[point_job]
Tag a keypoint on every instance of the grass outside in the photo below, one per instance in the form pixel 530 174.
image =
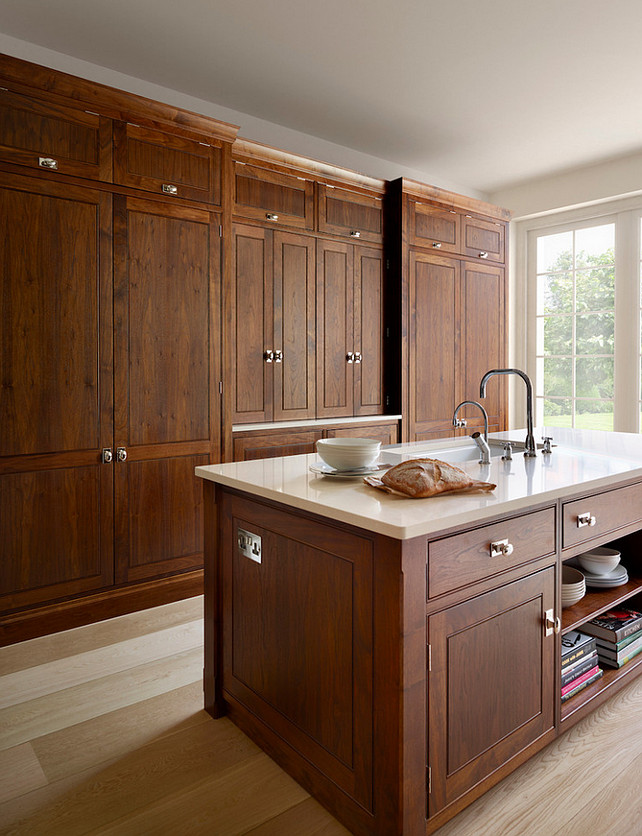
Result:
pixel 583 421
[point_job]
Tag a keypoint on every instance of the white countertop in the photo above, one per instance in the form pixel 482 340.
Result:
pixel 583 460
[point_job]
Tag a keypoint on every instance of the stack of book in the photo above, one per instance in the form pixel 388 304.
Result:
pixel 618 634
pixel 579 663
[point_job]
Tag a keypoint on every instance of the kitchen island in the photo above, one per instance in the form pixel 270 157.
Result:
pixel 400 656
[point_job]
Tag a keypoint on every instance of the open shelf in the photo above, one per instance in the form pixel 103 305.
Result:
pixel 609 678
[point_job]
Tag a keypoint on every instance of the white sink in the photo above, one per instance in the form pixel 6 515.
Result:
pixel 457 452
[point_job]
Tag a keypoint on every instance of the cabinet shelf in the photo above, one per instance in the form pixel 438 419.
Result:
pixel 609 678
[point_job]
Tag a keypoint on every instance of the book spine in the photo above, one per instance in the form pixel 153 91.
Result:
pixel 583 665
pixel 583 685
pixel 580 680
pixel 574 655
pixel 622 659
pixel 613 646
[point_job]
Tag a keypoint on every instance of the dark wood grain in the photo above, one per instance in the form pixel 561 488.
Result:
pixel 345 213
pixel 368 330
pixel 385 433
pixel 434 227
pixel 266 444
pixel 482 235
pixel 262 191
pixel 612 510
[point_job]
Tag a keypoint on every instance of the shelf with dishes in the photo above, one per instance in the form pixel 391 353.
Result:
pixel 622 591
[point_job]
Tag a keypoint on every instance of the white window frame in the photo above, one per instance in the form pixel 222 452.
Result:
pixel 627 216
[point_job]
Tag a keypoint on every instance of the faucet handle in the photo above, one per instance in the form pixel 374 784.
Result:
pixel 547 444
pixel 508 452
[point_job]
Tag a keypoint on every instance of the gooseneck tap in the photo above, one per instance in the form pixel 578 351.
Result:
pixel 530 448
pixel 482 443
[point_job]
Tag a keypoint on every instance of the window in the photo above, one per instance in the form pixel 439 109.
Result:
pixel 579 337
pixel 575 277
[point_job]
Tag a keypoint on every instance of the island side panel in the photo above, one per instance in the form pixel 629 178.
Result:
pixel 214 703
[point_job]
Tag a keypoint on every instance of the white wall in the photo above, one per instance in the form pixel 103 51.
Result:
pixel 250 127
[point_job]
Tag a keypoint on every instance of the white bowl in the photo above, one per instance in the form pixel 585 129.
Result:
pixel 572 579
pixel 599 561
pixel 348 453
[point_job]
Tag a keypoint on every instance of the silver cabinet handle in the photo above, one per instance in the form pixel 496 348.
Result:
pixel 121 454
pixel 350 357
pixel 586 519
pixel 354 233
pixel 552 624
pixel 501 548
pixel 357 357
pixel 436 245
pixel 48 162
pixel 268 356
pixel 270 216
pixel 169 189
pixel 483 255
pixel 278 356
pixel 106 456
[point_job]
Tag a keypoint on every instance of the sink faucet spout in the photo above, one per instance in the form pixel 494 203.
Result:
pixel 530 447
pixel 482 443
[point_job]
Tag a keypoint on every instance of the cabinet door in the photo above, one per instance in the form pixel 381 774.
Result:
pixel 54 138
pixel 56 404
pixel 166 163
pixel 483 339
pixel 483 238
pixel 335 329
pixel 491 685
pixel 266 445
pixel 273 197
pixel 350 214
pixel 167 408
pixel 434 227
pixel 434 341
pixel 385 433
pixel 368 331
pixel 252 327
pixel 294 326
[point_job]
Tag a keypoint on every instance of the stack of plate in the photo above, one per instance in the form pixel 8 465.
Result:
pixel 602 569
pixel 573 586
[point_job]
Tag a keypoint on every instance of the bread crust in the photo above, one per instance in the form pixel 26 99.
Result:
pixel 429 477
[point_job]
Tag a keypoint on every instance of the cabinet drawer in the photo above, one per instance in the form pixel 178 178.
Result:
pixel 357 216
pixel 434 227
pixel 385 433
pixel 54 138
pixel 273 197
pixel 610 511
pixel 462 559
pixel 483 238
pixel 166 164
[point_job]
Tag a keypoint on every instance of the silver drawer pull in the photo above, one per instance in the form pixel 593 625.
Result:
pixel 354 233
pixel 436 245
pixel 585 519
pixel 47 162
pixel 350 357
pixel 551 624
pixel 501 548
pixel 278 356
pixel 169 189
pixel 268 356
pixel 483 255
pixel 121 454
pixel 270 216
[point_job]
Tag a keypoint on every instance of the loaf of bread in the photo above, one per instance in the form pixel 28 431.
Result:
pixel 428 477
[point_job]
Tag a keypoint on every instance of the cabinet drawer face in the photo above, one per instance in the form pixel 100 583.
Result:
pixel 51 137
pixel 166 164
pixel 356 216
pixel 483 239
pixel 462 559
pixel 434 227
pixel 586 519
pixel 385 433
pixel 267 446
pixel 272 197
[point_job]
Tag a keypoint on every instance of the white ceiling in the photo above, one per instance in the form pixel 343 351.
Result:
pixel 486 92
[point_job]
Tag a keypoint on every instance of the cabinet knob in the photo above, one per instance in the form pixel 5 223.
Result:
pixel 501 548
pixel 354 233
pixel 552 624
pixel 121 454
pixel 483 255
pixel 48 162
pixel 436 245
pixel 278 356
pixel 357 357
pixel 350 357
pixel 270 216
pixel 169 189
pixel 586 519
pixel 268 356
pixel 106 456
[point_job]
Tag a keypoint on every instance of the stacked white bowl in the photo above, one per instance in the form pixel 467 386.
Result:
pixel 599 561
pixel 348 453
pixel 573 586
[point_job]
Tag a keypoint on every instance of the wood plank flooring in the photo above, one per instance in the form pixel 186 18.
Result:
pixel 102 732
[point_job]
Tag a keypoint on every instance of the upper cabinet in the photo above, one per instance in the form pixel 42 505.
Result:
pixel 434 227
pixel 273 197
pixel 166 164
pixel 350 214
pixel 53 137
pixel 483 238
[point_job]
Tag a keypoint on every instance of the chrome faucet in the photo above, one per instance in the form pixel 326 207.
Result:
pixel 481 442
pixel 530 448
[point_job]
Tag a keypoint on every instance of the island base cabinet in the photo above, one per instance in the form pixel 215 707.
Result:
pixel 491 684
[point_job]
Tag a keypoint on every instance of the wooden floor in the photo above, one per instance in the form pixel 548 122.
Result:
pixel 102 731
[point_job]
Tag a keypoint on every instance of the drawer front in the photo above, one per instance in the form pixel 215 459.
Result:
pixel 434 227
pixel 356 216
pixel 462 559
pixel 166 164
pixel 53 138
pixel 483 239
pixel 586 519
pixel 273 197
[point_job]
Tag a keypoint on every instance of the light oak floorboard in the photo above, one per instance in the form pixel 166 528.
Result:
pixel 33 652
pixel 307 818
pixel 21 772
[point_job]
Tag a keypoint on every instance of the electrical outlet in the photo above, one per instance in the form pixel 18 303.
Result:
pixel 249 545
